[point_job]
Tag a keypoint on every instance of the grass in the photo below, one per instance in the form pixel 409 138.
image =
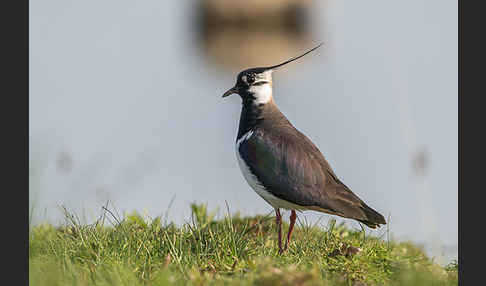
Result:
pixel 233 250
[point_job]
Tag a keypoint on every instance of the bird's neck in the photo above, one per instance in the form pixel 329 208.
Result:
pixel 254 115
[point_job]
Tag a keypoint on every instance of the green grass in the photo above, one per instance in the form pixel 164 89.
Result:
pixel 234 250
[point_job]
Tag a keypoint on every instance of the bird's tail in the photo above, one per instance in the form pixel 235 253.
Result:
pixel 373 218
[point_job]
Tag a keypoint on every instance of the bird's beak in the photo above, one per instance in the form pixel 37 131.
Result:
pixel 230 91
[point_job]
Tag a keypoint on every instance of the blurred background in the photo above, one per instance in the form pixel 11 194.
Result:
pixel 125 105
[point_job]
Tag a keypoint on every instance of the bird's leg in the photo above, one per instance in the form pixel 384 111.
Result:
pixel 279 227
pixel 293 216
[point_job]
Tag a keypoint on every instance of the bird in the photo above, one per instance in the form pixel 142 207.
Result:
pixel 281 164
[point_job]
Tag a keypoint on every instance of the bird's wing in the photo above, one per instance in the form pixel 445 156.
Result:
pixel 291 167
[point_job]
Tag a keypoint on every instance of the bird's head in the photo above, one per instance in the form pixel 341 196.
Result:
pixel 255 85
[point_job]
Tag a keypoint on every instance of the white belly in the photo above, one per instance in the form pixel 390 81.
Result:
pixel 257 186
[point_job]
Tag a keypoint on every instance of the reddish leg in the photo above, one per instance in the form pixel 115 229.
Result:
pixel 279 226
pixel 293 216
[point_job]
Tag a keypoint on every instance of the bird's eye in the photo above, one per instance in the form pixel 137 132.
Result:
pixel 250 78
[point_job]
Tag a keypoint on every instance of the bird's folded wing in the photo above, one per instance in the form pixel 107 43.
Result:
pixel 291 167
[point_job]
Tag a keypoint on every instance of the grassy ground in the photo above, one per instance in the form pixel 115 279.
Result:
pixel 234 250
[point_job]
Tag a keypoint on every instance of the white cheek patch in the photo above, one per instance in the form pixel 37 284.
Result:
pixel 262 93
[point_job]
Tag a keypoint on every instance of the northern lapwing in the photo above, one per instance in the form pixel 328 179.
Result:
pixel 281 164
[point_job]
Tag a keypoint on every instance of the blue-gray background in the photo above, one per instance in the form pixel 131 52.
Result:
pixel 125 107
